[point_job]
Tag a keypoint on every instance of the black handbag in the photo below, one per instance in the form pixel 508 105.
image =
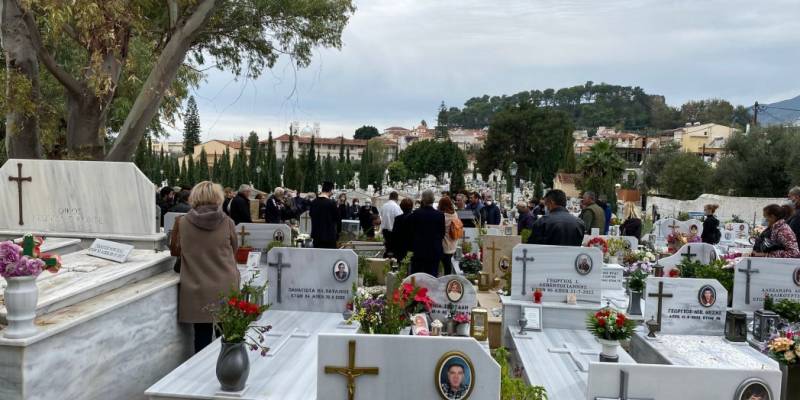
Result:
pixel 764 244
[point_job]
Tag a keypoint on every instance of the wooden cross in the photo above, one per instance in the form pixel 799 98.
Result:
pixel 524 260
pixel 660 296
pixel 749 271
pixel 19 179
pixel 280 265
pixel 575 355
pixel 494 248
pixel 242 233
pixel 351 372
pixel 689 255
pixel 623 389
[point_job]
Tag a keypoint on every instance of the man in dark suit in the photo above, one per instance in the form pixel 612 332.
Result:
pixel 558 227
pixel 240 206
pixel 427 225
pixel 324 217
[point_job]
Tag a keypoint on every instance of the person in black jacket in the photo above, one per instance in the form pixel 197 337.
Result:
pixel 166 200
pixel 427 229
pixel 226 204
pixel 182 204
pixel 490 213
pixel 365 214
pixel 632 224
pixel 276 209
pixel 240 206
pixel 402 231
pixel 794 219
pixel 324 219
pixel 558 227
pixel 711 233
pixel 343 210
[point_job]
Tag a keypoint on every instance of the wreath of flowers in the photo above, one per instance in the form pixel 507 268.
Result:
pixel 598 242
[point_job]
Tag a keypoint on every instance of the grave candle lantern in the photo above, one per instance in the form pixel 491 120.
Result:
pixel 735 326
pixel 483 281
pixel 480 316
pixel 537 296
pixel 763 323
pixel 436 328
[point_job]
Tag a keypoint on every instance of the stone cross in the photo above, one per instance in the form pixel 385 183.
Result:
pixel 19 179
pixel 575 355
pixel 351 372
pixel 689 255
pixel 494 249
pixel 749 271
pixel 623 389
pixel 660 296
pixel 525 260
pixel 280 265
pixel 242 233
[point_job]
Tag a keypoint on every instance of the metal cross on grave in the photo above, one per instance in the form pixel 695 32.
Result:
pixel 674 226
pixel 660 296
pixel 623 389
pixel 524 260
pixel 689 255
pixel 242 233
pixel 494 249
pixel 351 372
pixel 575 355
pixel 19 179
pixel 280 265
pixel 749 271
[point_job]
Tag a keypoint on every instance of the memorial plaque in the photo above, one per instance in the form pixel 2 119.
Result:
pixel 259 236
pixel 109 250
pixel 557 271
pixel 613 277
pixel 687 306
pixel 446 292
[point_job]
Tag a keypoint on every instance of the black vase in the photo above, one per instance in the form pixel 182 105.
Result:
pixel 790 382
pixel 233 366
pixel 635 304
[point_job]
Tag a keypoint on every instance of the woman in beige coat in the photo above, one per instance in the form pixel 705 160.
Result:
pixel 208 265
pixel 448 243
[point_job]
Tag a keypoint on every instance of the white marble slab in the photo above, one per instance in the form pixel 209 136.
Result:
pixel 675 382
pixel 259 236
pixel 613 277
pixel 407 366
pixel 778 277
pixel 664 227
pixel 698 351
pixel 703 252
pixel 291 373
pixel 63 196
pixel 547 363
pixel 83 277
pixel 308 280
pixel 687 310
pixel 472 236
pixel 557 270
pixel 446 291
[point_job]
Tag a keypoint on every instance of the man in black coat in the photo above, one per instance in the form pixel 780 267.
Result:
pixel 558 227
pixel 276 209
pixel 324 218
pixel 240 206
pixel 402 231
pixel 427 230
pixel 365 214
pixel 182 204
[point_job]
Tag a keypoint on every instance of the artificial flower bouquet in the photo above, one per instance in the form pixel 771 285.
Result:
pixel 235 316
pixel 376 314
pixel 470 264
pixel 26 260
pixel 598 242
pixel 785 349
pixel 610 324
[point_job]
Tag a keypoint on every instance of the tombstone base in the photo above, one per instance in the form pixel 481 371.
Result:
pixel 604 358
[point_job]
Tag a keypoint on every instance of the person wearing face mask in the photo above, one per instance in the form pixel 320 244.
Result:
pixel 557 227
pixel 353 211
pixel 794 220
pixel 365 214
pixel 490 213
pixel 526 218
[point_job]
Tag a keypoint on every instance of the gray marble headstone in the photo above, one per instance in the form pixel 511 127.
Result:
pixel 437 291
pixel 261 235
pixel 733 231
pixel 89 197
pixel 169 222
pixel 555 270
pixel 308 281
pixel 406 366
pixel 682 312
pixel 778 277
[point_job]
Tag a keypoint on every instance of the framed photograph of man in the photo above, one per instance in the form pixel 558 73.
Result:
pixel 753 389
pixel 583 264
pixel 454 290
pixel 796 276
pixel 455 376
pixel 341 271
pixel 278 235
pixel 420 325
pixel 707 296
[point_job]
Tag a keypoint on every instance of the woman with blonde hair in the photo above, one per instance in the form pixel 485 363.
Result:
pixel 711 233
pixel 206 243
pixel 448 242
pixel 632 221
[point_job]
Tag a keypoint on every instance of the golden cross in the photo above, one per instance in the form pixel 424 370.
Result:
pixel 351 372
pixel 494 248
pixel 413 281
pixel 242 234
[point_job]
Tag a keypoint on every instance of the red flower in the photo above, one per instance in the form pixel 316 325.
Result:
pixel 601 322
pixel 232 302
pixel 674 273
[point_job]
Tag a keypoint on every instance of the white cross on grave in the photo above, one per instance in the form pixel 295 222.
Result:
pixel 623 389
pixel 285 336
pixel 575 355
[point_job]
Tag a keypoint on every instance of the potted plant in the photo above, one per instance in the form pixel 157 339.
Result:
pixel 609 326
pixel 462 323
pixel 234 317
pixel 470 264
pixel 786 350
pixel 242 252
pixel 20 265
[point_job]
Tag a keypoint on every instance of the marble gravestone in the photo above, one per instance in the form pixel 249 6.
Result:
pixel 304 223
pixel 687 306
pixel 302 279
pixel 611 381
pixel 497 254
pixel 378 362
pixel 259 236
pixel 557 271
pixel 733 231
pixel 633 242
pixel 471 236
pixel 703 252
pixel 755 277
pixel 667 225
pixel 613 277
pixel 446 291
pixel 61 199
pixel 169 222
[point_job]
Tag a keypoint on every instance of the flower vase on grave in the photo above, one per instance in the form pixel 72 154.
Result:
pixel 242 253
pixel 233 366
pixel 635 303
pixel 21 295
pixel 613 259
pixel 609 352
pixel 790 381
pixel 462 329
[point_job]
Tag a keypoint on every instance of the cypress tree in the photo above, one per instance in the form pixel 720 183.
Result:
pixel 202 167
pixel 255 156
pixel 289 166
pixel 310 169
pixel 191 127
pixel 190 172
pixel 273 171
pixel 184 172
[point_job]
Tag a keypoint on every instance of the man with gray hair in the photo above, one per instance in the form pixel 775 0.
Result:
pixel 427 231
pixel 591 214
pixel 240 205
pixel 276 208
pixel 794 220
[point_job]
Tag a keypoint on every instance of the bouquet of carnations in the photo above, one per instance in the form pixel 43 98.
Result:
pixel 235 316
pixel 413 299
pixel 610 324
pixel 26 260
pixel 461 318
pixel 599 243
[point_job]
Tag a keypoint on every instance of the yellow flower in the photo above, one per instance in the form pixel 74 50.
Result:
pixel 780 344
pixel 789 356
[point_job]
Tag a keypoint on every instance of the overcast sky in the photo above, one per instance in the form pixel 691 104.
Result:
pixel 401 58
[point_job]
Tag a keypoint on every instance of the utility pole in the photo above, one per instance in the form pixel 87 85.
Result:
pixel 755 115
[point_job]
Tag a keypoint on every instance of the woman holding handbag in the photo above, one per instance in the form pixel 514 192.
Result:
pixel 205 241
pixel 778 241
